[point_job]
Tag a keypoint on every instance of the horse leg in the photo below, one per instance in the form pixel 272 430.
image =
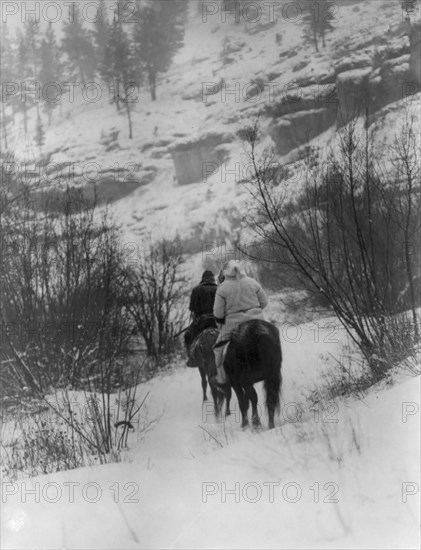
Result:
pixel 217 401
pixel 204 383
pixel 228 398
pixel 272 387
pixel 246 403
pixel 242 403
pixel 271 415
pixel 252 395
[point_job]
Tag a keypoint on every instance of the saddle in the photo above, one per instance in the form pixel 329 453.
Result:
pixel 205 321
pixel 244 339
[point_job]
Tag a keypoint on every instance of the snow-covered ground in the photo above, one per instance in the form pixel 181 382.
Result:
pixel 343 474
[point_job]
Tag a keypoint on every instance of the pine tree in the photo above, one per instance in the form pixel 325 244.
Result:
pixel 77 45
pixel 122 72
pixel 50 72
pixel 33 43
pixel 27 68
pixel 101 34
pixel 319 16
pixel 409 7
pixel 158 34
pixel 39 133
pixel 22 69
pixel 8 67
pixel 32 40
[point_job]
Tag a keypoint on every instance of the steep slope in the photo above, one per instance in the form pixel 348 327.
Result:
pixel 224 76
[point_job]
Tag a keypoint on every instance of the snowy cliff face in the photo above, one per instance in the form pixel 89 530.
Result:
pixel 226 74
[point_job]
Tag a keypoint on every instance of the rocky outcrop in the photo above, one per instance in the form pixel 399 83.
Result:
pixel 110 140
pixel 372 88
pixel 366 80
pixel 293 130
pixel 389 83
pixel 153 144
pixel 358 61
pixel 297 97
pixel 193 159
pixel 301 113
pixel 353 93
pixel 415 53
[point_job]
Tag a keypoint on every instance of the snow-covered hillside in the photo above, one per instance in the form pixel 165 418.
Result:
pixel 197 117
pixel 332 474
pixel 340 474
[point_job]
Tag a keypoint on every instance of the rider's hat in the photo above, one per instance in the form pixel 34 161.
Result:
pixel 208 276
pixel 233 269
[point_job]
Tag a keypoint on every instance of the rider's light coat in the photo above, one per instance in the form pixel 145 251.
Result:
pixel 239 298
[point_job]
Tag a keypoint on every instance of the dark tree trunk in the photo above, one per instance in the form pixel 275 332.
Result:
pixel 3 113
pixel 117 93
pixel 129 117
pixel 315 40
pixel 82 76
pixel 25 118
pixel 152 83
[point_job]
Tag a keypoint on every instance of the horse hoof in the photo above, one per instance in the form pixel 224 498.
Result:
pixel 205 398
pixel 244 425
pixel 227 413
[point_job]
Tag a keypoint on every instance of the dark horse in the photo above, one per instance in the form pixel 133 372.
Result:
pixel 254 355
pixel 204 358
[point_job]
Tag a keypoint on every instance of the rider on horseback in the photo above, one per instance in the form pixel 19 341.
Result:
pixel 239 298
pixel 201 307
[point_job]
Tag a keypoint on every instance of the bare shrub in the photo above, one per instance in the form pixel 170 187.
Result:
pixel 155 290
pixel 347 234
pixel 71 430
pixel 62 318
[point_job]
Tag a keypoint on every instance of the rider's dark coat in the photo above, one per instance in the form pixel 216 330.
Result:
pixel 201 305
pixel 202 298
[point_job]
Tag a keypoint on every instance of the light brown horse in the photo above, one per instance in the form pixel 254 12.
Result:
pixel 204 357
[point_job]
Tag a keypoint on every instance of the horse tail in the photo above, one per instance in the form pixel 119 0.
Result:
pixel 272 359
pixel 272 390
